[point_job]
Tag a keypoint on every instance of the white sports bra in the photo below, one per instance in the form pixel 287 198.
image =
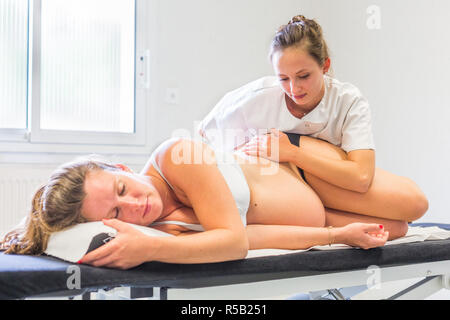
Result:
pixel 234 178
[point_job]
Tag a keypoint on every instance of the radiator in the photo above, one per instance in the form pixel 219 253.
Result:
pixel 15 200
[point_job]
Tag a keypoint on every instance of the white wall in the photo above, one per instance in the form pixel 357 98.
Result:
pixel 206 48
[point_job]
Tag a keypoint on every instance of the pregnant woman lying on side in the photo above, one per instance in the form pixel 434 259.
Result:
pixel 218 205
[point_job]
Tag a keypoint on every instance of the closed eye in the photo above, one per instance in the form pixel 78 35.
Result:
pixel 300 77
pixel 122 190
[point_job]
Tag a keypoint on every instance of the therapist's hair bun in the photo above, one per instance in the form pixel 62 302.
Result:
pixel 296 19
pixel 303 33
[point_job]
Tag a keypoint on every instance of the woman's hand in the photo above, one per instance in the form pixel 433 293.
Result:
pixel 274 145
pixel 125 251
pixel 362 235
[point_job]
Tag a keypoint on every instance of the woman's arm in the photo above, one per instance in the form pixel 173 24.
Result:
pixel 190 166
pixel 131 248
pixel 362 235
pixel 353 171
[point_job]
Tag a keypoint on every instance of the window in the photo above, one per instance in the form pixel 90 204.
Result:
pixel 70 72
pixel 13 63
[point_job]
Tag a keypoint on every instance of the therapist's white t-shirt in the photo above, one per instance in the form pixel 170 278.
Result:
pixel 342 118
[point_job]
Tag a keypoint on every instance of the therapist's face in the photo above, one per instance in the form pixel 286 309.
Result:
pixel 121 195
pixel 300 76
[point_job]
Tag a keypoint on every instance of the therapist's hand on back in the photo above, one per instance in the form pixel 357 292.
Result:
pixel 274 145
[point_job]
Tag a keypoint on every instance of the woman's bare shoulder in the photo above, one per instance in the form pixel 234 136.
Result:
pixel 182 151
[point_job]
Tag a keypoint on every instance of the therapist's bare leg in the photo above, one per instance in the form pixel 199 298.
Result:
pixel 389 196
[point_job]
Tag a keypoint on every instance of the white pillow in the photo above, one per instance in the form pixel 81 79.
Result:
pixel 73 243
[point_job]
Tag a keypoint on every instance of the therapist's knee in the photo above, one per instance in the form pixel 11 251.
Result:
pixel 415 203
pixel 420 205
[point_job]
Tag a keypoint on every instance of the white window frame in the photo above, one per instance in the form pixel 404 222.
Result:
pixel 35 139
pixel 11 135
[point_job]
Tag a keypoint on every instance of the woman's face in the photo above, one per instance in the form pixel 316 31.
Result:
pixel 121 195
pixel 300 76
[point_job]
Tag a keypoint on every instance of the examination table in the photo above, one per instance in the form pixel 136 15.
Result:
pixel 260 276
